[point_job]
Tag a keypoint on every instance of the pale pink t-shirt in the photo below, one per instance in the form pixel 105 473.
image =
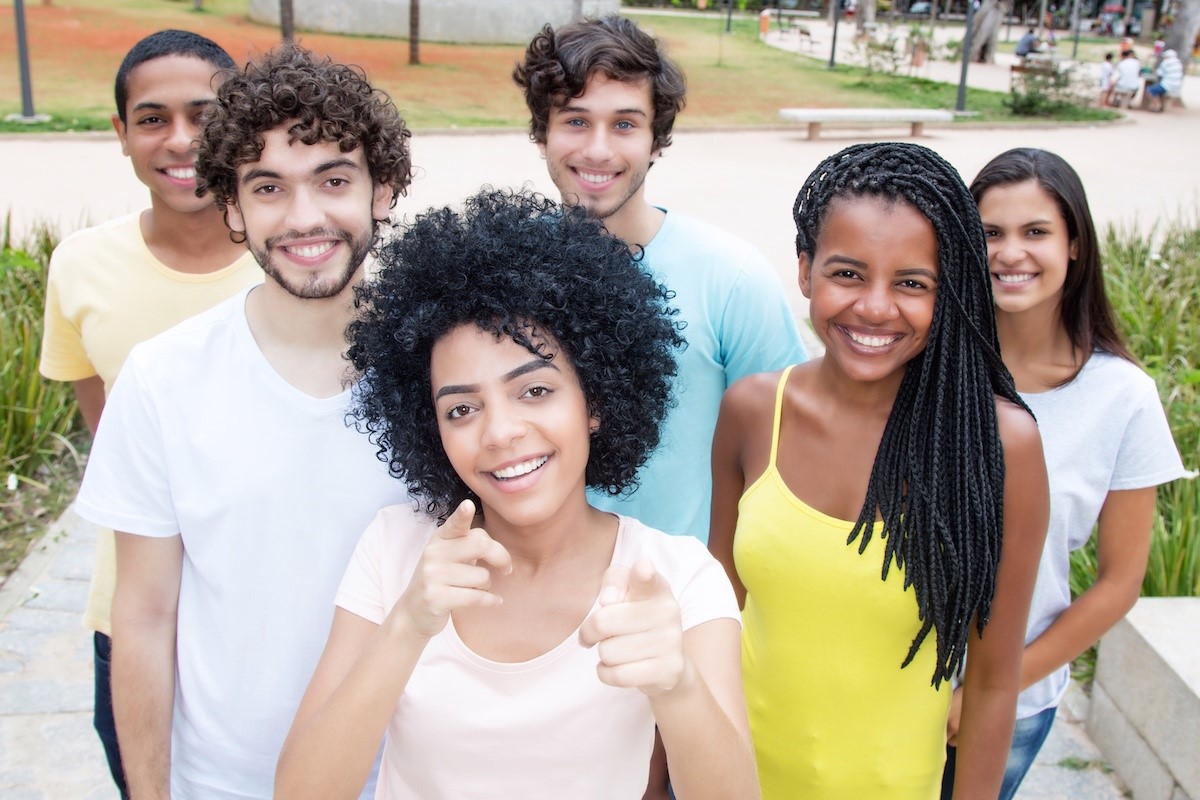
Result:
pixel 467 727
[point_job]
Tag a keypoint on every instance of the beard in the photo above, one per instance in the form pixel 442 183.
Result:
pixel 317 285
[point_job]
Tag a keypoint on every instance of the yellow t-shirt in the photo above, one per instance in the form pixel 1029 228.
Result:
pixel 833 716
pixel 105 293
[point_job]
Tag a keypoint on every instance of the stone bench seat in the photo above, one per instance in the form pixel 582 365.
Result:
pixel 816 117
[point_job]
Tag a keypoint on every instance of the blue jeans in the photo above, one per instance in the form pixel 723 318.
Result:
pixel 102 715
pixel 1028 736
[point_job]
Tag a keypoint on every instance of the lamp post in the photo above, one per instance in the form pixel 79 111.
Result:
pixel 960 102
pixel 27 114
pixel 836 10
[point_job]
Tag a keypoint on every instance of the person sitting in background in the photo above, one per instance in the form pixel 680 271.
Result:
pixel 1106 79
pixel 1170 80
pixel 1027 44
pixel 1128 78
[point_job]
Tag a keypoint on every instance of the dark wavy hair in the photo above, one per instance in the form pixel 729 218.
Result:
pixel 1086 312
pixel 319 101
pixel 938 476
pixel 521 266
pixel 558 64
pixel 164 43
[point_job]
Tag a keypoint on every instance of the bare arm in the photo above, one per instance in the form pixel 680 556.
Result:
pixel 992 679
pixel 144 617
pixel 1123 543
pixel 366 667
pixel 89 394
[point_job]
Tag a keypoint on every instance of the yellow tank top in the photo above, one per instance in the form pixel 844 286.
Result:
pixel 833 715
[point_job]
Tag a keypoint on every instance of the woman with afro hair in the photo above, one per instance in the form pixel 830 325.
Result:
pixel 508 638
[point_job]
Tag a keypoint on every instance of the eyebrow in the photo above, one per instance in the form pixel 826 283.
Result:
pixel 147 105
pixel 622 112
pixel 854 262
pixel 336 163
pixel 524 369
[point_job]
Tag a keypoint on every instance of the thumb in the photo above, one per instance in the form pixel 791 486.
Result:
pixel 644 581
pixel 614 585
pixel 458 523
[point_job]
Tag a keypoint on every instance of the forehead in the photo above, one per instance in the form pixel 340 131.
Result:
pixel 170 80
pixel 875 224
pixel 286 156
pixel 602 93
pixel 469 354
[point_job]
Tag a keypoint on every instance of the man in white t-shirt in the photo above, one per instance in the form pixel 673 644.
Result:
pixel 224 460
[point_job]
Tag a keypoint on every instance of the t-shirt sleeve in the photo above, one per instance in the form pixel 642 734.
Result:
pixel 1147 455
pixel 126 485
pixel 705 593
pixel 758 332
pixel 63 356
pixel 361 590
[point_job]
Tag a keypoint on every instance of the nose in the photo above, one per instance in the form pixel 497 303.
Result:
pixel 598 147
pixel 876 303
pixel 304 211
pixel 1006 250
pixel 502 425
pixel 183 135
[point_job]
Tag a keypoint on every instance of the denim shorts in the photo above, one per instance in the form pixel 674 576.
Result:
pixel 1028 736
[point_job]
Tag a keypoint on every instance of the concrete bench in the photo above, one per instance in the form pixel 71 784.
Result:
pixel 816 117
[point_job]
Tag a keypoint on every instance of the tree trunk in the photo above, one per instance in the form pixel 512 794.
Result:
pixel 287 21
pixel 1184 29
pixel 197 5
pixel 414 32
pixel 577 11
pixel 864 16
pixel 985 30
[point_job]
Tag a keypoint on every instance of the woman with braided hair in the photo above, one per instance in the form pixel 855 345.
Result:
pixel 879 508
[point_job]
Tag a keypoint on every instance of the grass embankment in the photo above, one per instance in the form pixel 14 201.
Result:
pixel 733 79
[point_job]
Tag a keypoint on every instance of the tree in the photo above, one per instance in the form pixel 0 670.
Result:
pixel 414 32
pixel 1184 29
pixel 985 30
pixel 287 20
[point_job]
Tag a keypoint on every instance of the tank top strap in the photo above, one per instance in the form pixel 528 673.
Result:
pixel 783 379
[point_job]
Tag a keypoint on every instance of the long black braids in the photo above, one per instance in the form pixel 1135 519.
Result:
pixel 938 477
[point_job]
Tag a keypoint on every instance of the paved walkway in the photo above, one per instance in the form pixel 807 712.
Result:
pixel 745 181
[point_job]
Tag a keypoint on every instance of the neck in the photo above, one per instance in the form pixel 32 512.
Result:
pixel 869 397
pixel 1036 348
pixel 195 242
pixel 572 532
pixel 636 223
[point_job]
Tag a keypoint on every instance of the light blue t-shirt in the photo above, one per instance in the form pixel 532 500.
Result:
pixel 738 323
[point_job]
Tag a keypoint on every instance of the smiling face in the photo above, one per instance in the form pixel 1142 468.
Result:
pixel 871 286
pixel 166 98
pixel 308 213
pixel 1029 246
pixel 514 426
pixel 599 147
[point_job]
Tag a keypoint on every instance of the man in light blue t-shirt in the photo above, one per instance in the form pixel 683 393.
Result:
pixel 603 99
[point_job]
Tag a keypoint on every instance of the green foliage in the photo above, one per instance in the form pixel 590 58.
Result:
pixel 1054 90
pixel 58 124
pixel 1153 280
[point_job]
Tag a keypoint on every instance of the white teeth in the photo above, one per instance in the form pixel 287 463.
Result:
pixel 594 178
pixel 872 341
pixel 181 173
pixel 311 250
pixel 1017 278
pixel 524 468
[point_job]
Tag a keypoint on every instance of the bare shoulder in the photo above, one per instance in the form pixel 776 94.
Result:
pixel 1018 430
pixel 746 399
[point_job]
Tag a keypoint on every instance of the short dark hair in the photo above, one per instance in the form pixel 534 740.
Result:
pixel 1086 312
pixel 938 477
pixel 558 65
pixel 516 265
pixel 319 100
pixel 170 42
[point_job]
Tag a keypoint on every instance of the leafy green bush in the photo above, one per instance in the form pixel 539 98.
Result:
pixel 1153 280
pixel 1048 91
pixel 36 415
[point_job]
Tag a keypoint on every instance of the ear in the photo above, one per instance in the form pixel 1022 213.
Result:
pixel 805 276
pixel 381 201
pixel 119 127
pixel 234 219
pixel 1073 250
pixel 594 425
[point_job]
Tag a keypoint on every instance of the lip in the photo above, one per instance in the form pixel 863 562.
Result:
pixel 521 482
pixel 998 280
pixel 870 341
pixel 591 185
pixel 309 252
pixel 187 180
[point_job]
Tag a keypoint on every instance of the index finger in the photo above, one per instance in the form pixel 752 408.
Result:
pixel 459 523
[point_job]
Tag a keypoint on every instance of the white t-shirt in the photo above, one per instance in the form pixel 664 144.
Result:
pixel 1104 431
pixel 467 727
pixel 269 489
pixel 1129 75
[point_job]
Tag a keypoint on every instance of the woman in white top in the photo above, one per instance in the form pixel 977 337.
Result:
pixel 1104 433
pixel 512 356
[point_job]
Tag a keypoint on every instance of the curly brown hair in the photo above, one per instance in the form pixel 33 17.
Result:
pixel 319 100
pixel 558 64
